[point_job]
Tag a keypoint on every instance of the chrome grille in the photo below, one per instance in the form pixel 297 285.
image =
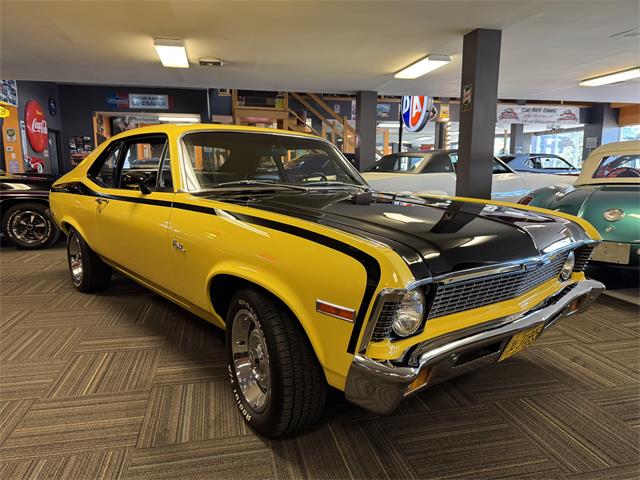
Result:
pixel 465 295
pixel 582 257
pixel 385 318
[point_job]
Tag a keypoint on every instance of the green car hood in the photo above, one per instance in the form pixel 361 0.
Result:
pixel 591 201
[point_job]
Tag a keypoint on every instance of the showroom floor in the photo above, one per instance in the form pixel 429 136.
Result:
pixel 126 385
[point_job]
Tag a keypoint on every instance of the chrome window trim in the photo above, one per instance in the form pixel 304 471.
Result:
pixel 181 158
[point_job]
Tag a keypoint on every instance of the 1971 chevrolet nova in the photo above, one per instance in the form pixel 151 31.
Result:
pixel 317 279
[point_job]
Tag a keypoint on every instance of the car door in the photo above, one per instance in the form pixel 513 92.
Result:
pixel 131 224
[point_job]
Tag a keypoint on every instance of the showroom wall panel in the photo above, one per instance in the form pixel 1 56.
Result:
pixel 79 102
pixel 42 100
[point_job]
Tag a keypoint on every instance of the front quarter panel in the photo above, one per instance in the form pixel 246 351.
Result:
pixel 296 270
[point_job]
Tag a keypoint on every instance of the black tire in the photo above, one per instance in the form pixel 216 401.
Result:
pixel 298 388
pixel 28 226
pixel 94 274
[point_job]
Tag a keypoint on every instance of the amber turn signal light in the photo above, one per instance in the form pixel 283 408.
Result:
pixel 420 381
pixel 337 311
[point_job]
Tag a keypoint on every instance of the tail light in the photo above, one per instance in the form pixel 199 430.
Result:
pixel 526 200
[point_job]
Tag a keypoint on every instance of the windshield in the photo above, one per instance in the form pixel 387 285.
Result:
pixel 618 166
pixel 233 159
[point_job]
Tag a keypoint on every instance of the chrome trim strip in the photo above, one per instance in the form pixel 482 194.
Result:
pixel 379 386
pixel 322 302
pixel 497 269
pixel 385 295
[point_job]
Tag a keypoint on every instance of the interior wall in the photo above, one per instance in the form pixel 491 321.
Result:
pixel 78 102
pixel 41 92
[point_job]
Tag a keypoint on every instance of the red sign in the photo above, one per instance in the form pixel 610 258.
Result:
pixel 36 124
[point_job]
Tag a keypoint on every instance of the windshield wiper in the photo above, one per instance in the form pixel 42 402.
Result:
pixel 257 183
pixel 329 183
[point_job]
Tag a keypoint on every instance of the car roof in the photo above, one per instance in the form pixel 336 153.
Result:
pixel 595 158
pixel 173 129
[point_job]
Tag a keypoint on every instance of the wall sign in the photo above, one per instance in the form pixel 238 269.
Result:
pixel 53 108
pixel 467 97
pixel 443 115
pixel 118 100
pixel 545 114
pixel 148 102
pixel 9 92
pixel 415 112
pixel 36 126
pixel 4 112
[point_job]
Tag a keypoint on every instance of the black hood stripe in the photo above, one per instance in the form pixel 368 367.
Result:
pixel 370 264
pixel 411 257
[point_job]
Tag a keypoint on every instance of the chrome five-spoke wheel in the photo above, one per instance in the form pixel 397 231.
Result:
pixel 251 359
pixel 75 259
pixel 30 227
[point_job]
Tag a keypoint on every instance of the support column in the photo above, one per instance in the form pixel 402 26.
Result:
pixel 601 127
pixel 366 106
pixel 516 143
pixel 478 103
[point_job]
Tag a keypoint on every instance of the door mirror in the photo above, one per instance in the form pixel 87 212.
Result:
pixel 132 179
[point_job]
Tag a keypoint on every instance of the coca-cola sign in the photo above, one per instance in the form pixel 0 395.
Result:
pixel 36 125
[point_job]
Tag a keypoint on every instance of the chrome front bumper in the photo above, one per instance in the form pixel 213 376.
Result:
pixel 379 386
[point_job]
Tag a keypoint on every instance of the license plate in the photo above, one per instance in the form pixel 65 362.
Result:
pixel 520 341
pixel 612 252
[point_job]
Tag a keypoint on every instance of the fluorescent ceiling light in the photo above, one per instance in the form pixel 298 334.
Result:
pixel 421 67
pixel 176 119
pixel 389 125
pixel 171 52
pixel 616 77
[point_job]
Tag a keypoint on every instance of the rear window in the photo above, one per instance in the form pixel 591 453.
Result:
pixel 619 166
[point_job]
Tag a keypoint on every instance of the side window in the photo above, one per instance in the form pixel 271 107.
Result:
pixel 144 156
pixel 103 170
pixel 438 163
pixel 499 167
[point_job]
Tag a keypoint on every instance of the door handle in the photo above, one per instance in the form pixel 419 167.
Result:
pixel 102 201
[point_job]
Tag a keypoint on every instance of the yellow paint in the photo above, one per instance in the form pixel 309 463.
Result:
pixel 138 239
pixel 4 112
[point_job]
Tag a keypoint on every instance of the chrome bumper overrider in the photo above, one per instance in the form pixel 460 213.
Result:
pixel 379 386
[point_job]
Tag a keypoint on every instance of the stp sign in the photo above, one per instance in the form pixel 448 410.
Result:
pixel 415 112
pixel 36 124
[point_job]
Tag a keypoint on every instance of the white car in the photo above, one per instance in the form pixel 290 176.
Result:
pixel 433 172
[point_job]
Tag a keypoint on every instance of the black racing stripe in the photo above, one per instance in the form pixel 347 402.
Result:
pixel 79 188
pixel 411 257
pixel 370 264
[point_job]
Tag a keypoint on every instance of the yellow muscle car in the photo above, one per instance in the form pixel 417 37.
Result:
pixel 317 279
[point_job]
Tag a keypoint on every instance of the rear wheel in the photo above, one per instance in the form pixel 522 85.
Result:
pixel 29 226
pixel 277 381
pixel 88 272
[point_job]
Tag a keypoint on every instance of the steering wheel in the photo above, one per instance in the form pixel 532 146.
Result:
pixel 322 176
pixel 623 172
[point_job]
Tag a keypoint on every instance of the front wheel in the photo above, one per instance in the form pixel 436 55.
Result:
pixel 88 272
pixel 277 381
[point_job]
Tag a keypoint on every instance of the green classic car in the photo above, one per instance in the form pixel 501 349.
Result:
pixel 607 195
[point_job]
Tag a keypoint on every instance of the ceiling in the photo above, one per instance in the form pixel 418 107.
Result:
pixel 323 46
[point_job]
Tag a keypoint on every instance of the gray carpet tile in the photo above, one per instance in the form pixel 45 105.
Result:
pixel 123 384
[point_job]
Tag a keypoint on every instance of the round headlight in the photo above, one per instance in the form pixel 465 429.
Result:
pixel 409 316
pixel 613 215
pixel 567 268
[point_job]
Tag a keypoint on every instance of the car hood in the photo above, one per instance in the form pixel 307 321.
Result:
pixel 442 235
pixel 591 201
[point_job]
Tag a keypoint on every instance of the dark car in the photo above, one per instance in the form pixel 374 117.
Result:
pixel 540 163
pixel 24 209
